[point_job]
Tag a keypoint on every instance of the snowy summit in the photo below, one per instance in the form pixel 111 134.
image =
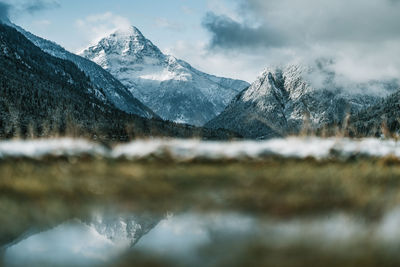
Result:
pixel 170 87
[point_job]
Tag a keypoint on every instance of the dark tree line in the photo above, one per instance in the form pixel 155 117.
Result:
pixel 380 119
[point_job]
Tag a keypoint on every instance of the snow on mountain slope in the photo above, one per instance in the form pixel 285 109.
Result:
pixel 114 91
pixel 282 100
pixel 169 86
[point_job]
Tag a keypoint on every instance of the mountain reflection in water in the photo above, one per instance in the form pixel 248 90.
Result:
pixel 206 239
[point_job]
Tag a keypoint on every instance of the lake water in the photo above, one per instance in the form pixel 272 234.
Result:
pixel 204 239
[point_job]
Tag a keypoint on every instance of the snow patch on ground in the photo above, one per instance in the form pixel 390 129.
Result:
pixel 49 147
pixel 185 150
pixel 299 148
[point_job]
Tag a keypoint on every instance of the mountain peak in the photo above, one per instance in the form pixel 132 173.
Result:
pixel 127 42
pixel 171 87
pixel 129 32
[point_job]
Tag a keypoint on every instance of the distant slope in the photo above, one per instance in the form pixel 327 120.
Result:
pixel 46 95
pixel 112 88
pixel 170 87
pixel 36 87
pixel 282 102
pixel 383 118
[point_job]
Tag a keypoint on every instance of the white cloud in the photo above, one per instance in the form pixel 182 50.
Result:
pixel 362 38
pixel 224 7
pixel 230 64
pixel 94 27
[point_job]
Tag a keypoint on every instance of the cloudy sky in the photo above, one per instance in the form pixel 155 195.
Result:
pixel 235 38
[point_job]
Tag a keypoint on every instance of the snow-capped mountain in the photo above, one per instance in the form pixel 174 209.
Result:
pixel 170 87
pixel 282 101
pixel 114 91
pixel 42 95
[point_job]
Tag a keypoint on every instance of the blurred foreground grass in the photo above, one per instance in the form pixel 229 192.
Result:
pixel 41 194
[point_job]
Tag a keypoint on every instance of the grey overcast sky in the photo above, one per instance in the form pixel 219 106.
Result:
pixel 235 38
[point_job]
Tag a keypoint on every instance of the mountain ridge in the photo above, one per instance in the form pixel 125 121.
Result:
pixel 43 96
pixel 282 102
pixel 113 89
pixel 171 87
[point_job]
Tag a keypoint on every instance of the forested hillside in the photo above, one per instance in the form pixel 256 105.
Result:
pixel 113 89
pixel 380 119
pixel 41 95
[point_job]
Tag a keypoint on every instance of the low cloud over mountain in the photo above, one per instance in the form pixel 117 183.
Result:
pixel 360 37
